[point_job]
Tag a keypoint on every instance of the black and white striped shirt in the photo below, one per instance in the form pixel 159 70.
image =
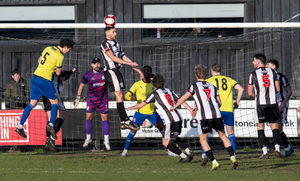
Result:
pixel 283 84
pixel 164 99
pixel 205 95
pixel 117 50
pixel 263 80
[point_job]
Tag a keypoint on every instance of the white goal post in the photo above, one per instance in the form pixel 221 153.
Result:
pixel 148 25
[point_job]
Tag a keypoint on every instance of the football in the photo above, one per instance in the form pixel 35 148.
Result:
pixel 110 20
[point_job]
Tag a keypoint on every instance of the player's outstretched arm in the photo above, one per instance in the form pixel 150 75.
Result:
pixel 137 106
pixel 139 72
pixel 187 106
pixel 181 100
pixel 76 101
pixel 110 54
pixel 240 90
pixel 65 75
pixel 133 64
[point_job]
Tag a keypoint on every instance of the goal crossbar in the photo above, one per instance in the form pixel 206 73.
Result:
pixel 147 25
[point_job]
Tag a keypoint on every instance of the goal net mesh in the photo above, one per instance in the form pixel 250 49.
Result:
pixel 171 52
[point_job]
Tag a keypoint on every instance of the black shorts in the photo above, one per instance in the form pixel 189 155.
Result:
pixel 173 130
pixel 206 125
pixel 114 80
pixel 268 113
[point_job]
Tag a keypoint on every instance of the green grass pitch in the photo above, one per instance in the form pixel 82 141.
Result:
pixel 142 165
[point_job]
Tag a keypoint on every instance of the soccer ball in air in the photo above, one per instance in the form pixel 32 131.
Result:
pixel 110 20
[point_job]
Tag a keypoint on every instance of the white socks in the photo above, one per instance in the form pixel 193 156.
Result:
pixel 106 138
pixel 277 147
pixel 88 136
pixel 265 150
pixel 182 155
pixel 187 150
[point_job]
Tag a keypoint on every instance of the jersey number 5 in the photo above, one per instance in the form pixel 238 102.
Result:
pixel 169 99
pixel 44 58
pixel 266 80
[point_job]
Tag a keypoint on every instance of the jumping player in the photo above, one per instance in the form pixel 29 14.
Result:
pixel 97 99
pixel 114 56
pixel 164 99
pixel 50 61
pixel 207 102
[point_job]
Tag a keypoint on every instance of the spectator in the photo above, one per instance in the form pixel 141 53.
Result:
pixel 17 92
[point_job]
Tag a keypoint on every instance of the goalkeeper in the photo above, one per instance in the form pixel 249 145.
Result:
pixel 97 99
pixel 142 89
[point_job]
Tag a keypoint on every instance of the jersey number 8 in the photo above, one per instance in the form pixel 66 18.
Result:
pixel 169 99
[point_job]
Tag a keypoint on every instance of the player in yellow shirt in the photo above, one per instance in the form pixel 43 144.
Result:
pixel 142 89
pixel 225 86
pixel 50 62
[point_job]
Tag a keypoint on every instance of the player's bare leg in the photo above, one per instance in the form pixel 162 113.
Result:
pixel 262 140
pixel 208 151
pixel 227 145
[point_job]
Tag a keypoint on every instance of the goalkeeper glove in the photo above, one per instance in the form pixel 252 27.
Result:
pixel 76 101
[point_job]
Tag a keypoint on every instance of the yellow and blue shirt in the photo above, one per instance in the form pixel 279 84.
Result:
pixel 51 58
pixel 225 86
pixel 141 90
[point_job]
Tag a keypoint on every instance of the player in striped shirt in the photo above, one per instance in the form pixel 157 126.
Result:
pixel 97 99
pixel 283 98
pixel 207 105
pixel 114 57
pixel 265 84
pixel 163 98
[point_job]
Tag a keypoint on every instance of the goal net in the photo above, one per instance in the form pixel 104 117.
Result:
pixel 171 50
